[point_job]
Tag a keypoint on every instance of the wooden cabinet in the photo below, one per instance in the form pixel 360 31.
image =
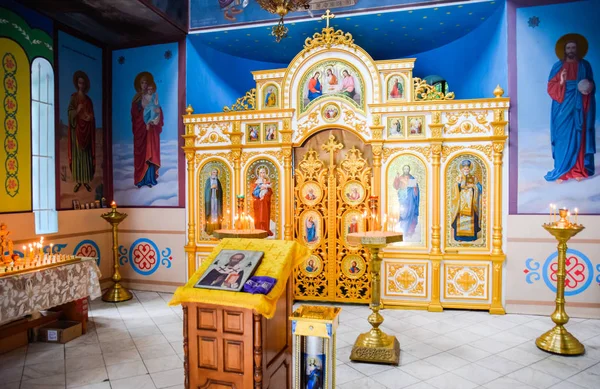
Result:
pixel 234 348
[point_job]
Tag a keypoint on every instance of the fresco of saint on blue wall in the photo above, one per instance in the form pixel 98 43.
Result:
pixel 557 51
pixel 145 126
pixel 80 133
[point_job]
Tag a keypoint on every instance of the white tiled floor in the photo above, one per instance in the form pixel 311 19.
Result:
pixel 138 345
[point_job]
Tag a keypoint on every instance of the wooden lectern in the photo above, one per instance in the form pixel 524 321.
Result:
pixel 235 340
pixel 235 348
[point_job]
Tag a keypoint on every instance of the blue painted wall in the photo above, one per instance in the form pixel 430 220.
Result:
pixel 474 64
pixel 215 79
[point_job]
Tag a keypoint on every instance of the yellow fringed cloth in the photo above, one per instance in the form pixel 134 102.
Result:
pixel 280 258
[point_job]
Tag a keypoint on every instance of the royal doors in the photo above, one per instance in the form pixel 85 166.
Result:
pixel 330 201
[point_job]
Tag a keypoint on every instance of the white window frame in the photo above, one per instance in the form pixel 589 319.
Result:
pixel 43 165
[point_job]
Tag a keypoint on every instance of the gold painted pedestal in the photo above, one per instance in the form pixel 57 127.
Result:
pixel 375 346
pixel 115 293
pixel 558 340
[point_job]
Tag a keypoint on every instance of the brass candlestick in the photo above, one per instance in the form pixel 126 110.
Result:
pixel 116 293
pixel 558 340
pixel 375 346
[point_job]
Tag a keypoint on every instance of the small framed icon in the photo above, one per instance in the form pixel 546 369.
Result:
pixel 396 127
pixel 270 132
pixel 253 133
pixel 416 126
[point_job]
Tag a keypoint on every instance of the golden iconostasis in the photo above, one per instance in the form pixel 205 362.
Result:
pixel 309 146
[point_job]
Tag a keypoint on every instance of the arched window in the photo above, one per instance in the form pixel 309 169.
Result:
pixel 438 82
pixel 42 147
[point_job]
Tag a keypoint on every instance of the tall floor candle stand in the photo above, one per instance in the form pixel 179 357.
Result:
pixel 375 346
pixel 558 340
pixel 116 293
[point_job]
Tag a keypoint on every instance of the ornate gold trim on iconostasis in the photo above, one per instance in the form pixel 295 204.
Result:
pixel 437 131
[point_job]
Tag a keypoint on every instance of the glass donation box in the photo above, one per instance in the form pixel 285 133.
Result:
pixel 314 331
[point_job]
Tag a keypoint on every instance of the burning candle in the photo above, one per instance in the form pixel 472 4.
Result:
pixel 372 227
pixel 550 212
pixel 363 220
pixel 113 205
pixel 51 244
pixel 384 226
pixel 576 213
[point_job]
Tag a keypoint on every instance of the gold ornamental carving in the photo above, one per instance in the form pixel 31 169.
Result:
pixel 377 133
pixel 377 150
pixel 436 130
pixel 486 149
pixel 277 154
pixel 215 137
pixel 426 92
pixel 354 163
pixel 406 279
pixel 200 157
pixel 329 37
pixel 466 281
pixel 498 147
pixel 324 196
pixel 376 120
pixel 447 150
pixel 351 120
pixel 425 151
pixel 236 154
pixel 498 115
pixel 479 126
pixel 245 103
pixel 212 133
pixel 286 137
pixel 311 121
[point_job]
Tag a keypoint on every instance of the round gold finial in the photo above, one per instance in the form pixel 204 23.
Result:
pixel 189 109
pixel 498 91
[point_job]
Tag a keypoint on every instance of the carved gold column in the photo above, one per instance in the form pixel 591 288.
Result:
pixel 190 154
pixel 498 257
pixel 286 147
pixel 236 153
pixel 435 256
pixel 377 148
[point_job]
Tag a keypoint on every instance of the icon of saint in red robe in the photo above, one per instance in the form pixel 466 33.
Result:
pixel 262 192
pixel 146 136
pixel 573 114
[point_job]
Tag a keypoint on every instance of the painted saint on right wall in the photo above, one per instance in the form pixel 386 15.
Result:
pixel 573 115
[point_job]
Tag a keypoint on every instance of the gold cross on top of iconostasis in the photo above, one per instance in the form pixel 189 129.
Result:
pixel 327 16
